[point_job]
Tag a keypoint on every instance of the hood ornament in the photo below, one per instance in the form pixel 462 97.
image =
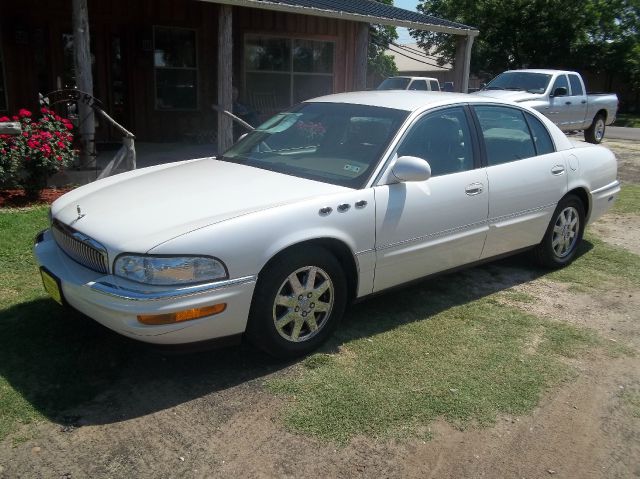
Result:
pixel 80 215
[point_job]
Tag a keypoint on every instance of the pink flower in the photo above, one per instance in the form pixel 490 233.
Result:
pixel 58 157
pixel 69 126
pixel 4 118
pixel 15 118
pixel 24 113
pixel 45 111
pixel 60 144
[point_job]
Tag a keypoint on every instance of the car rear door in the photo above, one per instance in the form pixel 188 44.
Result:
pixel 526 177
pixel 438 224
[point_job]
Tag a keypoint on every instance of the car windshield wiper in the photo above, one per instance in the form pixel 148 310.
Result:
pixel 494 88
pixel 514 88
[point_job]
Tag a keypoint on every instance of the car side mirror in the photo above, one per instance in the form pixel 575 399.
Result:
pixel 409 168
pixel 560 91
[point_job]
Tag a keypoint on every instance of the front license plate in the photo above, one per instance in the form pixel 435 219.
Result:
pixel 52 285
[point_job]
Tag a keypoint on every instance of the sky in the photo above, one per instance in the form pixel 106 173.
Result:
pixel 403 33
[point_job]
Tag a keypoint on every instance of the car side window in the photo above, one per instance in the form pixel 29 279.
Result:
pixel 443 139
pixel 506 134
pixel 541 137
pixel 418 85
pixel 560 82
pixel 434 85
pixel 576 85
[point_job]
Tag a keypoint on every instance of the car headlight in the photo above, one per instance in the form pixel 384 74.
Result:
pixel 169 270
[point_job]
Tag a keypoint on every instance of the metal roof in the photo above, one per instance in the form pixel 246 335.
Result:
pixel 359 10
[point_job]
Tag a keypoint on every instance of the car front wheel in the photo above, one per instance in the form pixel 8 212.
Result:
pixel 564 233
pixel 299 300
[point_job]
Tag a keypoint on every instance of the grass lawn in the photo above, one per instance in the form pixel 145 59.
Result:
pixel 630 120
pixel 437 349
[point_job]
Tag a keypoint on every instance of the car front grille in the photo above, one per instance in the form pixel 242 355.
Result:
pixel 80 247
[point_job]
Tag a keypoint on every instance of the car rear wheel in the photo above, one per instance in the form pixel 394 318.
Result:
pixel 299 300
pixel 564 233
pixel 595 133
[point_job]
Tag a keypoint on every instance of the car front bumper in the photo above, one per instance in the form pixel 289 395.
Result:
pixel 116 303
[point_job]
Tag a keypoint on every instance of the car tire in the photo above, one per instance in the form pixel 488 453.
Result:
pixel 595 133
pixel 564 234
pixel 299 300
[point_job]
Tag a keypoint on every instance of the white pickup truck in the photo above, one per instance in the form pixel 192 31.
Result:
pixel 410 83
pixel 559 95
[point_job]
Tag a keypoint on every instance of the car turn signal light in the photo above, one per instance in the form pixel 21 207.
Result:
pixel 180 316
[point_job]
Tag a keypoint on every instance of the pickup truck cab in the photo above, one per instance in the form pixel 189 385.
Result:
pixel 559 95
pixel 410 83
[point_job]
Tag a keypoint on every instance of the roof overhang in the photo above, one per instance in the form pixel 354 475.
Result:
pixel 342 15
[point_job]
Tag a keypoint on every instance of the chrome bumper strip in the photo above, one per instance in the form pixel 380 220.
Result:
pixel 611 186
pixel 110 289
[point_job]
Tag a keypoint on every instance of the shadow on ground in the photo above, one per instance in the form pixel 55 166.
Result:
pixel 74 371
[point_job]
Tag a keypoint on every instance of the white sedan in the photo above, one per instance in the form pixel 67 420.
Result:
pixel 340 197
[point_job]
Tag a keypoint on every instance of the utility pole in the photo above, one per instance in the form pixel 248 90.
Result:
pixel 84 81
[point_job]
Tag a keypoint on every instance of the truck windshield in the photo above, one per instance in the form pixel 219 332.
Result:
pixel 394 83
pixel 337 143
pixel 520 81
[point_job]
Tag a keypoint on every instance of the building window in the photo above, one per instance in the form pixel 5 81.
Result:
pixel 280 72
pixel 176 68
pixel 3 83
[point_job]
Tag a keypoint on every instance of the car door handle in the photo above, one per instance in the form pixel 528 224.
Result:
pixel 567 103
pixel 557 170
pixel 473 189
pixel 583 101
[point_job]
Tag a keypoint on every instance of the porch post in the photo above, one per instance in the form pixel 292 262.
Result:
pixel 225 81
pixel 462 62
pixel 362 53
pixel 84 81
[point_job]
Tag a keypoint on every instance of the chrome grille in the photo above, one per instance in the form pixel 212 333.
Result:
pixel 80 247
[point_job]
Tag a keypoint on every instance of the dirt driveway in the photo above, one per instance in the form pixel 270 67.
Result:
pixel 209 415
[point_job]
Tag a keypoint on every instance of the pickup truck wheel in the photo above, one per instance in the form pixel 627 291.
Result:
pixel 299 300
pixel 563 235
pixel 595 133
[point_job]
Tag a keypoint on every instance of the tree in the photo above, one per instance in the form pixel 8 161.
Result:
pixel 380 36
pixel 531 33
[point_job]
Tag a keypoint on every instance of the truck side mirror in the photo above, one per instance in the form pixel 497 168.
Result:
pixel 560 91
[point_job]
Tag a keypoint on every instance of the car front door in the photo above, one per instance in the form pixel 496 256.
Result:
pixel 438 224
pixel 526 175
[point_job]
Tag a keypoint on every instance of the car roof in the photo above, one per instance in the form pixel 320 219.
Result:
pixel 406 100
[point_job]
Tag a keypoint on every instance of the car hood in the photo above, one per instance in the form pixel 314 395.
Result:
pixel 138 210
pixel 516 96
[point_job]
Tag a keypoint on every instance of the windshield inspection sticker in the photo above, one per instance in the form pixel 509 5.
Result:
pixel 355 169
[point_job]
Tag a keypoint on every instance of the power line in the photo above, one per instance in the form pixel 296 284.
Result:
pixel 415 59
pixel 415 51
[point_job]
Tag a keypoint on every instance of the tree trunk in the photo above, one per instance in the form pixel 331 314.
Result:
pixel 84 81
pixel 362 53
pixel 225 80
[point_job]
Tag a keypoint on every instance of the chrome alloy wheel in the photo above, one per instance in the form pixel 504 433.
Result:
pixel 565 232
pixel 599 130
pixel 303 304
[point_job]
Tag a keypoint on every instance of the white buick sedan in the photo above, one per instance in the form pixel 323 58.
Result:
pixel 341 197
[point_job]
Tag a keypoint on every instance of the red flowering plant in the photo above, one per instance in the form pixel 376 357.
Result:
pixel 43 148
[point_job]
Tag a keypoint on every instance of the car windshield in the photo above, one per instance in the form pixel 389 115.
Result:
pixel 336 143
pixel 394 83
pixel 520 81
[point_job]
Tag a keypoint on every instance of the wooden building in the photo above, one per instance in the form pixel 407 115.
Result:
pixel 159 65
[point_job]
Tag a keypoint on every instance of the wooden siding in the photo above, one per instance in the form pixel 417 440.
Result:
pixel 31 26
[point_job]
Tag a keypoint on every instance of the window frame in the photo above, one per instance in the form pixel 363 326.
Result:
pixel 291 73
pixel 418 81
pixel 156 68
pixel 476 150
pixel 574 75
pixel 525 114
pixel 554 87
